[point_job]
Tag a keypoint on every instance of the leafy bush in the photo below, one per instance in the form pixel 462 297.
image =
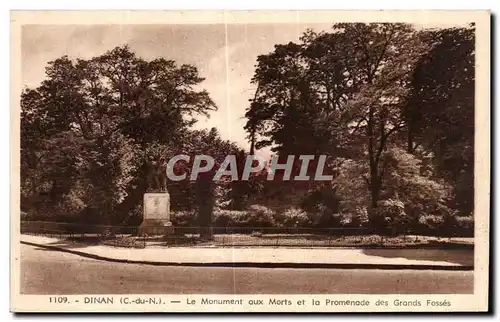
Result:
pixel 129 242
pixel 351 187
pixel 358 219
pixel 325 218
pixel 324 197
pixel 34 215
pixel 446 225
pixel 25 215
pixel 227 218
pixel 256 216
pixel 261 210
pixel 259 216
pixel 389 217
pixel 411 181
pixel 293 217
pixel 134 217
pixel 186 218
pixel 431 224
pixel 465 225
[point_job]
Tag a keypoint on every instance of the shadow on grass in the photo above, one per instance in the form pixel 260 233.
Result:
pixel 459 256
pixel 77 242
pixel 68 245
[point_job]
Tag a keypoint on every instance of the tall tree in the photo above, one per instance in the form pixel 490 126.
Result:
pixel 361 92
pixel 439 115
pixel 92 123
pixel 338 93
pixel 384 56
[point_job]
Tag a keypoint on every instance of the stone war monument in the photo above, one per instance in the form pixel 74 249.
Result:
pixel 156 203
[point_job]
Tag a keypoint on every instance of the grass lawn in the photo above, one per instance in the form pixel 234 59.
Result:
pixel 274 240
pixel 309 240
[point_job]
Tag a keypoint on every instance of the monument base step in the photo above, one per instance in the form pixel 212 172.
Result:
pixel 155 227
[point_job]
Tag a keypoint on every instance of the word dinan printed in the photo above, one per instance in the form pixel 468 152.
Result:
pixel 253 164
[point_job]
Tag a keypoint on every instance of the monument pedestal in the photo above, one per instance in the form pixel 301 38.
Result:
pixel 155 227
pixel 156 218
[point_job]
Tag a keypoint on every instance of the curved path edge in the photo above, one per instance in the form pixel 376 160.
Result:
pixel 260 264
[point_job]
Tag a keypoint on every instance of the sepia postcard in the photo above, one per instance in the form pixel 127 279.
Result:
pixel 250 161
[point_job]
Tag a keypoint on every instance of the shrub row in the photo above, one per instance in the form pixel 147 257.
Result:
pixel 393 223
pixel 255 216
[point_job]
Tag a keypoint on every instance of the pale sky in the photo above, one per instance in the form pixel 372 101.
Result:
pixel 227 81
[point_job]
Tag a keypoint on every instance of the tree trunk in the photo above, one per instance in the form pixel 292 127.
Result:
pixel 409 139
pixel 374 179
pixel 252 142
pixel 134 197
pixel 205 204
pixel 375 190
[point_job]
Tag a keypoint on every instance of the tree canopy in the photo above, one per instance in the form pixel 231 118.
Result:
pixel 89 128
pixel 392 107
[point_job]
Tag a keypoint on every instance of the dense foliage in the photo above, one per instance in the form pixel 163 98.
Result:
pixel 392 107
pixel 89 129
